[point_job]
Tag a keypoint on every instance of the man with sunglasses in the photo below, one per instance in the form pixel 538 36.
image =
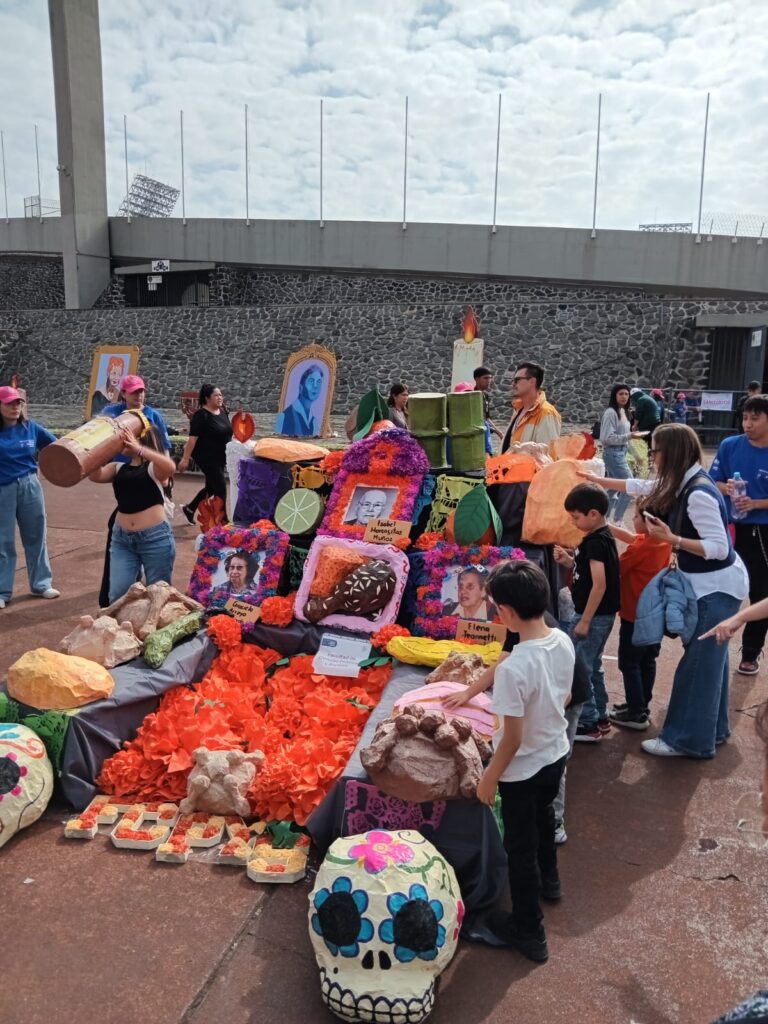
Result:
pixel 533 417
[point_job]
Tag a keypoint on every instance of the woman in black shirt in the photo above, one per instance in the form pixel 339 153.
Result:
pixel 209 433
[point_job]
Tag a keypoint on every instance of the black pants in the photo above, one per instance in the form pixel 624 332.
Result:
pixel 752 545
pixel 638 667
pixel 215 484
pixel 529 839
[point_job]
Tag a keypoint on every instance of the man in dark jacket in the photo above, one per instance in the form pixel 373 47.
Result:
pixel 646 413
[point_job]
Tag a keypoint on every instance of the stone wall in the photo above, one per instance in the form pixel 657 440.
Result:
pixel 31 282
pixel 381 328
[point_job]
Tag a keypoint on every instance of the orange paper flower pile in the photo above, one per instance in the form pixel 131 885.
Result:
pixel 307 725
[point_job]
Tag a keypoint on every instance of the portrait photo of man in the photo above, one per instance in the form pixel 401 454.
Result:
pixel 369 503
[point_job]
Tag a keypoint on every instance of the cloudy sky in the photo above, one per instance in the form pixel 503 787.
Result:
pixel 653 61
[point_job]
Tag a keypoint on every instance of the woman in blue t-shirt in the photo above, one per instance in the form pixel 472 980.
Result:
pixel 21 498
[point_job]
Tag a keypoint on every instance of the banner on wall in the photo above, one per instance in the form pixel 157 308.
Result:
pixel 717 401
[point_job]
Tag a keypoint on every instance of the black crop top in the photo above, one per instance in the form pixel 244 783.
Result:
pixel 135 490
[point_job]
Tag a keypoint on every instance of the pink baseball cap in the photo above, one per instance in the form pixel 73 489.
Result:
pixel 9 394
pixel 463 386
pixel 132 383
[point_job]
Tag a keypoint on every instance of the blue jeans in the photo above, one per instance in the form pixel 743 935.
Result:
pixel 697 716
pixel 590 649
pixel 22 502
pixel 615 457
pixel 152 550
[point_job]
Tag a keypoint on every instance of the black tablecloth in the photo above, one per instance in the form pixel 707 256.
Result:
pixel 467 836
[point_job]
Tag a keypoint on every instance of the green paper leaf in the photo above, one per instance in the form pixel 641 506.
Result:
pixel 498 526
pixel 357 704
pixel 366 663
pixel 473 516
pixel 283 834
pixel 380 661
pixel 283 661
pixel 372 407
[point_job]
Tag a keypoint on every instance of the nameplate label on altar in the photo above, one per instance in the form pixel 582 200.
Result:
pixel 386 531
pixel 241 611
pixel 340 655
pixel 482 632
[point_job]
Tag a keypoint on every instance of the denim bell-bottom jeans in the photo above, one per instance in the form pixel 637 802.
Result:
pixel 152 550
pixel 697 716
pixel 615 458
pixel 21 502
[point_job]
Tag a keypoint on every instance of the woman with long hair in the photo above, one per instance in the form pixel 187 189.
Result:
pixel 398 405
pixel 142 538
pixel 615 433
pixel 683 507
pixel 297 419
pixel 21 498
pixel 209 433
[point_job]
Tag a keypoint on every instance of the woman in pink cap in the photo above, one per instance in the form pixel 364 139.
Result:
pixel 21 498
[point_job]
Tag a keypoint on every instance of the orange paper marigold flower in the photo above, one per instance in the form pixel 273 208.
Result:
pixel 428 540
pixel 331 464
pixel 224 631
pixel 277 611
pixel 387 633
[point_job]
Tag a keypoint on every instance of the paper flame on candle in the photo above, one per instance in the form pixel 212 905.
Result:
pixel 243 426
pixel 471 326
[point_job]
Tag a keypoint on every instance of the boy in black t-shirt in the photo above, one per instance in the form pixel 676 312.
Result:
pixel 595 590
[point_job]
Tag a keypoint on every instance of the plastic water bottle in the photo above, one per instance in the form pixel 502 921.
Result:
pixel 738 490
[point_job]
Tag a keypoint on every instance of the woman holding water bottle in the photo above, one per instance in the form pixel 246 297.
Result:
pixel 683 507
pixel 740 471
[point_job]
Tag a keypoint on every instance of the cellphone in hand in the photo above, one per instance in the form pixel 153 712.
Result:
pixel 650 517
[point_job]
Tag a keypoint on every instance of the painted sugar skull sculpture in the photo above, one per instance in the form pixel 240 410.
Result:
pixel 26 779
pixel 384 920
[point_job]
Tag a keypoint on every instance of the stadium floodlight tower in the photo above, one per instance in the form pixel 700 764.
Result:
pixel 148 198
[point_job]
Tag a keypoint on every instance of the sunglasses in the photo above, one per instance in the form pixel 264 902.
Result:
pixel 516 379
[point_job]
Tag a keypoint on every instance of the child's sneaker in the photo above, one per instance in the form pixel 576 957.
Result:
pixel 604 725
pixel 561 836
pixel 631 720
pixel 588 734
pixel 619 707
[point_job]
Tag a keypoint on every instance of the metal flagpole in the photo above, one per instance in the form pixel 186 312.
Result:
pixel 247 209
pixel 127 188
pixel 183 197
pixel 597 161
pixel 405 167
pixel 496 178
pixel 37 157
pixel 703 161
pixel 322 222
pixel 5 187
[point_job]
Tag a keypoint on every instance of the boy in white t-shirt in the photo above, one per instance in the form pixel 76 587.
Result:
pixel 531 690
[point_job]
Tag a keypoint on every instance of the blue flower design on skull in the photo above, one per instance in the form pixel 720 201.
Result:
pixel 414 927
pixel 339 919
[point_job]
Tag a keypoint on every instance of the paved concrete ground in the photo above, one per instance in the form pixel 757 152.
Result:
pixel 663 919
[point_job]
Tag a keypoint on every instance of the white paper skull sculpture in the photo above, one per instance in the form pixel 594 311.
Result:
pixel 26 779
pixel 384 920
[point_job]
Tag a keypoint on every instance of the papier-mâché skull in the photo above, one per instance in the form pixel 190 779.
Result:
pixel 26 779
pixel 384 920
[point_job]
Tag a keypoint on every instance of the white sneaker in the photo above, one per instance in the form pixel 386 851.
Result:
pixel 561 836
pixel 48 594
pixel 658 747
pixel 2 602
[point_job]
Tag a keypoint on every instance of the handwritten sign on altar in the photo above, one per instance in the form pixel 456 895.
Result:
pixel 480 632
pixel 241 611
pixel 386 531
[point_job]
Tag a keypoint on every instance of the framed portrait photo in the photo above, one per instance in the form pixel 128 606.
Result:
pixel 380 478
pixel 453 587
pixel 307 393
pixel 240 563
pixel 110 364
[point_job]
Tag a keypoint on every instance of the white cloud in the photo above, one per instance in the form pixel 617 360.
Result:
pixel 653 64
